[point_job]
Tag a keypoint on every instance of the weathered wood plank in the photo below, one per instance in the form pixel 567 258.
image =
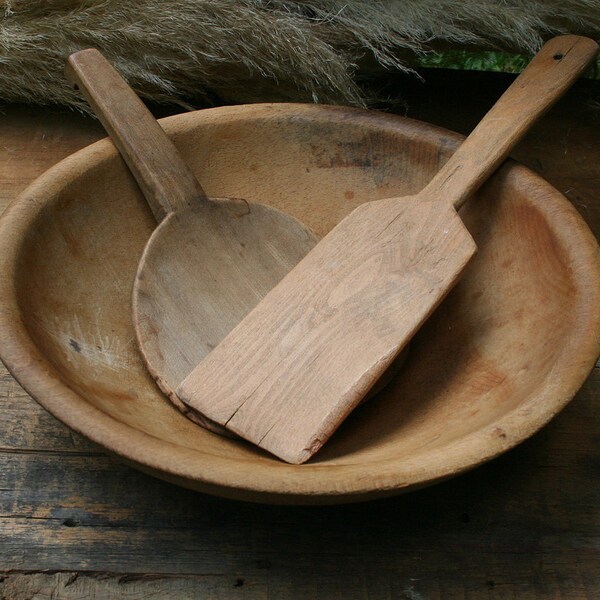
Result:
pixel 531 516
pixel 442 573
pixel 74 586
pixel 33 140
pixel 25 425
pixel 451 563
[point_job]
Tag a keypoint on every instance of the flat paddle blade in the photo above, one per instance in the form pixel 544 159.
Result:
pixel 290 372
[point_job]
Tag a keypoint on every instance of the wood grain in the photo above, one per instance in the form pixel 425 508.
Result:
pixel 547 77
pixel 533 536
pixel 524 526
pixel 289 374
pixel 209 262
pixel 166 181
pixel 77 302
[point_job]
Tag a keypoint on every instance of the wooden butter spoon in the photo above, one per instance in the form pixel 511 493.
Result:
pixel 209 261
pixel 305 356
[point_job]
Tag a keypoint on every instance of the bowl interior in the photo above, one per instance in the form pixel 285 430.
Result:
pixel 482 368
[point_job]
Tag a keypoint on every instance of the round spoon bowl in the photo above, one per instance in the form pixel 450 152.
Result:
pixel 507 349
pixel 202 271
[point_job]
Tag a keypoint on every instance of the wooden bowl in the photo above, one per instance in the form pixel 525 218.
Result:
pixel 504 353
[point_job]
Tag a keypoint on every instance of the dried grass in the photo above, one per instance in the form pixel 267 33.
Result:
pixel 219 51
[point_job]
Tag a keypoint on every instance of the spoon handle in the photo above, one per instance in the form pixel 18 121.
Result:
pixel 547 77
pixel 166 181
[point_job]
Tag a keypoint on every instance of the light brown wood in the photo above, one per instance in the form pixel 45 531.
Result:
pixel 289 374
pixel 166 181
pixel 209 261
pixel 63 504
pixel 525 335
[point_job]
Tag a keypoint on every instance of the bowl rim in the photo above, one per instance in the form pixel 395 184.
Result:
pixel 223 475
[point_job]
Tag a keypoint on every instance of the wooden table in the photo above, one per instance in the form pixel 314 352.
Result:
pixel 75 523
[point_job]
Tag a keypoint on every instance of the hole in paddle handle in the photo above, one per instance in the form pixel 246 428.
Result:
pixel 558 56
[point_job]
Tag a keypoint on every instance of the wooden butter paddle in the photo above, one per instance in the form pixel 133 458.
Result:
pixel 296 366
pixel 209 261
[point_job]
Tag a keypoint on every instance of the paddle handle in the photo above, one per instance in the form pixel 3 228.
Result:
pixel 166 181
pixel 547 77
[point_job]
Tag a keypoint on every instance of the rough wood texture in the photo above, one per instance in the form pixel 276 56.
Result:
pixel 533 536
pixel 466 395
pixel 163 176
pixel 524 526
pixel 209 262
pixel 292 371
